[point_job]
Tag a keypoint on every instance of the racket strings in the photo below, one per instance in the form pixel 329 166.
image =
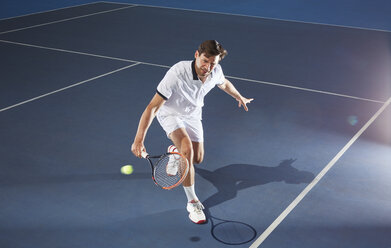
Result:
pixel 170 170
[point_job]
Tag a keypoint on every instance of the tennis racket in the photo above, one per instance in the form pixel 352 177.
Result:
pixel 168 170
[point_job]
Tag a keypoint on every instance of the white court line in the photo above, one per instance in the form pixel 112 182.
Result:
pixel 48 11
pixel 66 51
pixel 82 53
pixel 306 89
pixel 67 19
pixel 309 187
pixel 67 87
pixel 257 17
pixel 165 66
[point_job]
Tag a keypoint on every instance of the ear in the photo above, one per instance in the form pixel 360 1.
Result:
pixel 196 54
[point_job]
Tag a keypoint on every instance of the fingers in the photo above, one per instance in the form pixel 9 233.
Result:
pixel 243 102
pixel 138 150
pixel 247 101
pixel 245 107
pixel 135 152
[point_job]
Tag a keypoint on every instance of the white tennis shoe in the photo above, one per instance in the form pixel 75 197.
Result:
pixel 173 162
pixel 196 214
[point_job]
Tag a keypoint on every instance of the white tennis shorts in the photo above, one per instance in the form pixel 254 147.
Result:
pixel 193 126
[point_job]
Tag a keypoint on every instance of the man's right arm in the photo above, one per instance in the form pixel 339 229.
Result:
pixel 145 121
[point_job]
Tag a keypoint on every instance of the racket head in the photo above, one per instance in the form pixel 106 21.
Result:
pixel 170 170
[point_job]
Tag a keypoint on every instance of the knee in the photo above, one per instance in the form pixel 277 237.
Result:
pixel 187 151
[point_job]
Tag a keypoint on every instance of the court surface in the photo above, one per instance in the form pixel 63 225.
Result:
pixel 307 166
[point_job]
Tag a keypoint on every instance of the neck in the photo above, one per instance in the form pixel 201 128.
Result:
pixel 203 79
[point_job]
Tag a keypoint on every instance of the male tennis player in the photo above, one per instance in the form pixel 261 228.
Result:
pixel 178 106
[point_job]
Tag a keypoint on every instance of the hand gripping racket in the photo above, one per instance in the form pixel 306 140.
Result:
pixel 169 169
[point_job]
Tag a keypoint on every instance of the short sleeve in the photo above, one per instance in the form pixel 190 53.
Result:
pixel 165 87
pixel 220 76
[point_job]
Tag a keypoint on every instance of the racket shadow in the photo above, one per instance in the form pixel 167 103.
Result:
pixel 229 179
pixel 230 232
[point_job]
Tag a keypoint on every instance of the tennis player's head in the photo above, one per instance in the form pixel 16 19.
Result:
pixel 207 56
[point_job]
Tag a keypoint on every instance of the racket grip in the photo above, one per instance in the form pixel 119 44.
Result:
pixel 144 154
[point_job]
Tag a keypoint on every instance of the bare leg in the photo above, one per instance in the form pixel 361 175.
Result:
pixel 193 151
pixel 182 141
pixel 198 149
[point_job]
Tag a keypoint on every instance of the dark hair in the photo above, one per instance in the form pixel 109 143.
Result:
pixel 212 48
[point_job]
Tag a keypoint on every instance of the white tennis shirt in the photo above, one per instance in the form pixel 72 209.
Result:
pixel 184 92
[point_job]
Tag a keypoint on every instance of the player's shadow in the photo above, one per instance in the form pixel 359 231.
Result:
pixel 229 179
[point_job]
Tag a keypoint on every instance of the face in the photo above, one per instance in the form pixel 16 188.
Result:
pixel 204 65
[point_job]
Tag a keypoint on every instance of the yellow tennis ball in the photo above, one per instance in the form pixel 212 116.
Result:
pixel 127 169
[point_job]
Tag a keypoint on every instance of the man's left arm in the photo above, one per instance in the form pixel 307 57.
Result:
pixel 230 89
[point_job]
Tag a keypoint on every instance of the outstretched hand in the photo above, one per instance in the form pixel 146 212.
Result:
pixel 243 102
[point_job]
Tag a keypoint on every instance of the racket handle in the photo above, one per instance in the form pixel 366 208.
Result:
pixel 144 154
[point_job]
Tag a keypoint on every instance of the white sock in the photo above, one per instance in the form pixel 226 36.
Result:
pixel 190 193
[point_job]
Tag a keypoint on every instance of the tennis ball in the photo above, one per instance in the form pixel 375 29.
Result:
pixel 127 169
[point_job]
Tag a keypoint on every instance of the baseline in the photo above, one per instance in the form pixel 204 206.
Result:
pixel 48 11
pixel 67 19
pixel 258 17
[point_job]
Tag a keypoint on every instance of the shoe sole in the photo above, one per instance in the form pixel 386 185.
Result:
pixel 199 222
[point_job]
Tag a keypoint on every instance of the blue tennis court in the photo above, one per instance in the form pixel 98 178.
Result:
pixel 307 166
